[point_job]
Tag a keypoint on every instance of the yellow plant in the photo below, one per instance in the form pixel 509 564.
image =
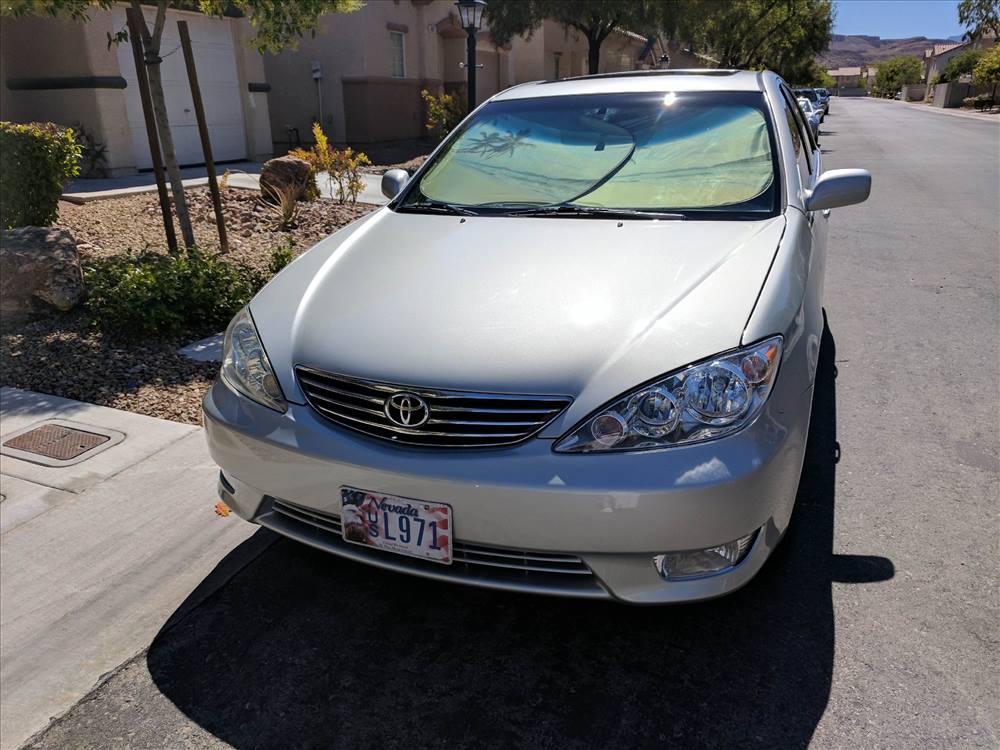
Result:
pixel 444 112
pixel 342 168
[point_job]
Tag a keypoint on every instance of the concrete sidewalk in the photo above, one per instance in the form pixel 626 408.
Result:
pixel 950 111
pixel 244 175
pixel 97 556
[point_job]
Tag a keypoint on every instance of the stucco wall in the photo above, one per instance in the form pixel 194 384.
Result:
pixel 256 105
pixel 350 47
pixel 40 47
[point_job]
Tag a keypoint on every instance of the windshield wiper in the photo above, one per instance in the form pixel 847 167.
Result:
pixel 437 207
pixel 566 210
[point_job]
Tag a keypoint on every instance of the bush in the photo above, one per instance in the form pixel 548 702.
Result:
pixel 169 296
pixel 968 101
pixel 443 113
pixel 36 161
pixel 281 256
pixel 343 168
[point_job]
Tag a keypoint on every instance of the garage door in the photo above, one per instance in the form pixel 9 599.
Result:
pixel 212 42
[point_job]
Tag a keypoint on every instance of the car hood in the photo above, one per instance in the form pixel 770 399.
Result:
pixel 581 307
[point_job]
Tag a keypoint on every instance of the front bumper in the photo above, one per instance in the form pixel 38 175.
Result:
pixel 611 512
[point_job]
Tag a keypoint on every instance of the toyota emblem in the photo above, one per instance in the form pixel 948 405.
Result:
pixel 406 409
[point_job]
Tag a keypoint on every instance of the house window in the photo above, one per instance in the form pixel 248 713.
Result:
pixel 398 54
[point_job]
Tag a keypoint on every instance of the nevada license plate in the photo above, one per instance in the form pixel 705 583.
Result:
pixel 396 524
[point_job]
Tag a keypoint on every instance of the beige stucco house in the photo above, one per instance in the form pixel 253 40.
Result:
pixel 63 71
pixel 373 63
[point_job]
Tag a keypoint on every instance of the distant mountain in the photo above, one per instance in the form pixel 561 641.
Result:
pixel 856 50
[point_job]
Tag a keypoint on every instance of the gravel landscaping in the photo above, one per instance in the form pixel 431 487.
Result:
pixel 65 355
pixel 111 227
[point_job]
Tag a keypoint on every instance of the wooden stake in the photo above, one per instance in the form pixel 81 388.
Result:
pixel 206 144
pixel 135 37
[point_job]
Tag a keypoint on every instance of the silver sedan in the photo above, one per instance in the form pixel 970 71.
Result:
pixel 574 355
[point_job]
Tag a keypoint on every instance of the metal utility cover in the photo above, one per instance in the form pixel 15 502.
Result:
pixel 59 443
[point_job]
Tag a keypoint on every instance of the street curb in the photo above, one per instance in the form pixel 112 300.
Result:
pixel 228 568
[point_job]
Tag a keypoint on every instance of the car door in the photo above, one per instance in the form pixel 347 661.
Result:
pixel 813 230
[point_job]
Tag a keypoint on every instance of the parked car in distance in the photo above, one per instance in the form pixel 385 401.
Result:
pixel 824 96
pixel 814 99
pixel 812 116
pixel 574 355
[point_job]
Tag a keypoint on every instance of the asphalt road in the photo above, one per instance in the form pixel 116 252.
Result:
pixel 875 625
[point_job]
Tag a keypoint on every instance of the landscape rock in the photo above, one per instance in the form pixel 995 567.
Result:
pixel 39 269
pixel 282 173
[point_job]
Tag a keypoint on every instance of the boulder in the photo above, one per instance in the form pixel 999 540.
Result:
pixel 39 270
pixel 282 173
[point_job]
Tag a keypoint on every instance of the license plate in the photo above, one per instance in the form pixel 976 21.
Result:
pixel 396 524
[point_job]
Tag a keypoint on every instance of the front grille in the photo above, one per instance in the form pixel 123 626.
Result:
pixel 500 567
pixel 455 419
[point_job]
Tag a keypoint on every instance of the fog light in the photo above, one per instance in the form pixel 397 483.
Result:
pixel 697 563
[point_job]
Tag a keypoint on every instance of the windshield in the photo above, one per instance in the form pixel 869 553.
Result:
pixel 808 94
pixel 684 152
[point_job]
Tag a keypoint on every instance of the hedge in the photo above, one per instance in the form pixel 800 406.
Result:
pixel 36 160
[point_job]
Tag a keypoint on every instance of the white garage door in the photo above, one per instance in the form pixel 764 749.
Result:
pixel 212 42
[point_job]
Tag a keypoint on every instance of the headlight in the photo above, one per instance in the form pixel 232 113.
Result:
pixel 702 401
pixel 245 367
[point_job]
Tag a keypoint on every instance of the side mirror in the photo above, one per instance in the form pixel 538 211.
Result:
pixel 839 187
pixel 393 181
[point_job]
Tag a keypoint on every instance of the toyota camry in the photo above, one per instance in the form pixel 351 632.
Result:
pixel 574 354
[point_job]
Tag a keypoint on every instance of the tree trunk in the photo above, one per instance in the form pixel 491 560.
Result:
pixel 593 55
pixel 151 43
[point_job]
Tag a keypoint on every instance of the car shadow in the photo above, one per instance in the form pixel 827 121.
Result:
pixel 303 649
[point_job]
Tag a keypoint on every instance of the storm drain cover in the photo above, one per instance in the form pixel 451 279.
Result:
pixel 56 441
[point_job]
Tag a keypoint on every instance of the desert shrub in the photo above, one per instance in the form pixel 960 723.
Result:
pixel 36 161
pixel 444 112
pixel 342 168
pixel 968 102
pixel 167 296
pixel 283 202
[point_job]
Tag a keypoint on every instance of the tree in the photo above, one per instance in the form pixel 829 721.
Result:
pixel 960 65
pixel 595 19
pixel 780 35
pixel 987 70
pixel 980 18
pixel 891 75
pixel 278 25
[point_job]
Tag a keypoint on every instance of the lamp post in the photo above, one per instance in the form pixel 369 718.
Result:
pixel 470 12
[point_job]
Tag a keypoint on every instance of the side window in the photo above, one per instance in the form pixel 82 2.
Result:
pixel 800 135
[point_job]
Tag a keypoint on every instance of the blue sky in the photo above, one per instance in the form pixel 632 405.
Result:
pixel 895 19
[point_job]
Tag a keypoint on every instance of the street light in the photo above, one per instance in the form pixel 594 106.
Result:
pixel 470 13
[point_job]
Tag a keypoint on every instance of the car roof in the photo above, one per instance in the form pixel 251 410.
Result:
pixel 700 79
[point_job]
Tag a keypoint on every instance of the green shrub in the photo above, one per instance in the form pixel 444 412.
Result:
pixel 167 296
pixel 281 256
pixel 36 161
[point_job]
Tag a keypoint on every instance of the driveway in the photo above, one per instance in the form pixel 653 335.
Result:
pixel 875 625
